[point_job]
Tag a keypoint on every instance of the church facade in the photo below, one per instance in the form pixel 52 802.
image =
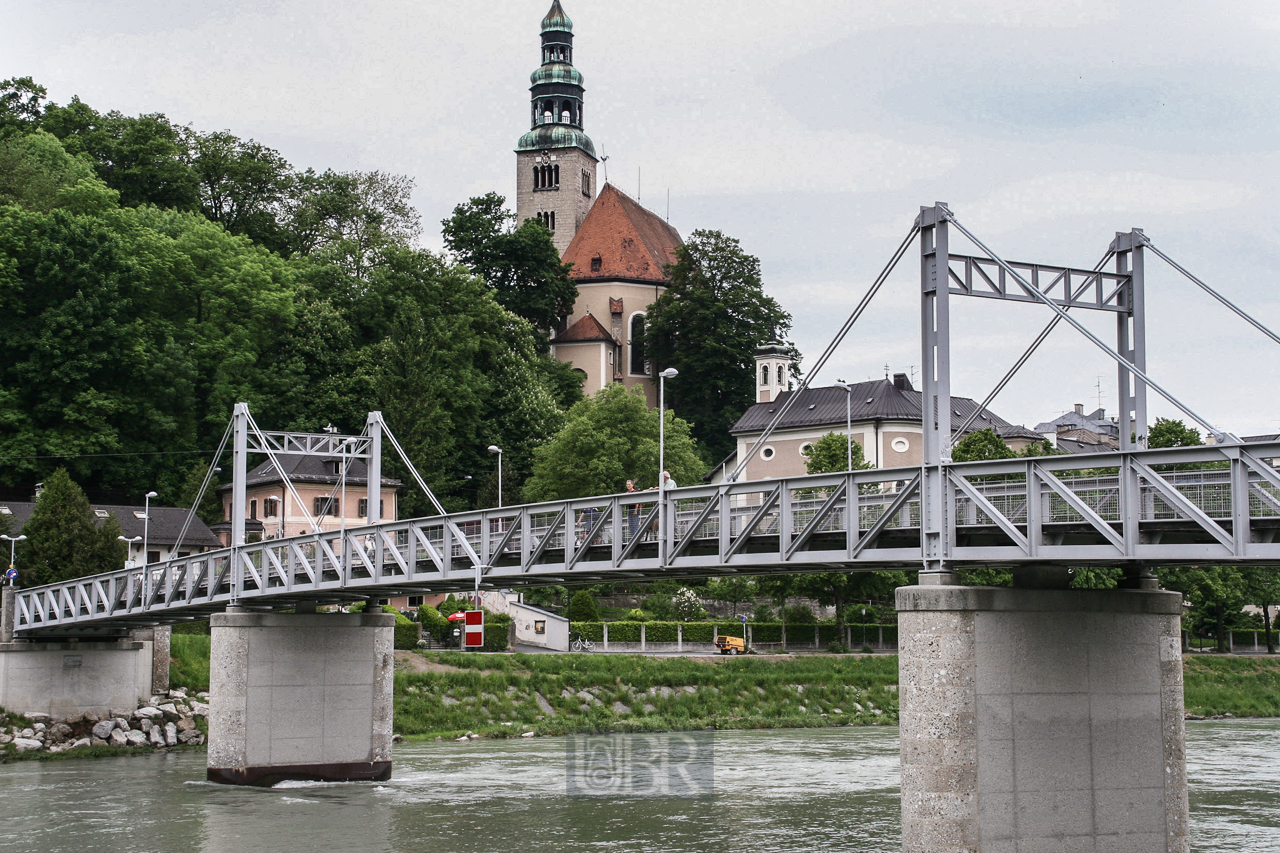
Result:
pixel 618 249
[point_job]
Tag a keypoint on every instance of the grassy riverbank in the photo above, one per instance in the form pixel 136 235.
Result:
pixel 1227 684
pixel 449 693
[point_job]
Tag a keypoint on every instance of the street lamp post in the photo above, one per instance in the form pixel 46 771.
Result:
pixel 493 448
pixel 848 422
pixel 146 525
pixel 669 373
pixel 13 546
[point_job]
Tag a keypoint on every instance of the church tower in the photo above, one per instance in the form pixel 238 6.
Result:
pixel 555 160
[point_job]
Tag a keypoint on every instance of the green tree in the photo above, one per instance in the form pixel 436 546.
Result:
pixel 1262 590
pixel 62 540
pixel 582 607
pixel 520 263
pixel 831 453
pixel 606 440
pixel 1040 448
pixel 1215 594
pixel 21 105
pixel 1171 433
pixel 36 172
pixel 981 445
pixel 144 158
pixel 733 590
pixel 708 324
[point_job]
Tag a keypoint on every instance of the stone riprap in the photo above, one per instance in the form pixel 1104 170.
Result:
pixel 159 723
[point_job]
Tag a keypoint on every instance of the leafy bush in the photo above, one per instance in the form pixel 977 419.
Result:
pixel 769 632
pixel 591 630
pixel 764 613
pixel 432 621
pixel 582 607
pixel 496 636
pixel 798 614
pixel 200 628
pixel 660 632
pixel 698 632
pixel 189 661
pixel 624 632
pixel 635 614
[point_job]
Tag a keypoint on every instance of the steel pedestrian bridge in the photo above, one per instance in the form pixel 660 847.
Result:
pixel 1219 503
pixel 1135 508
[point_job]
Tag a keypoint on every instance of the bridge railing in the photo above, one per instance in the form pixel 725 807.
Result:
pixel 1186 504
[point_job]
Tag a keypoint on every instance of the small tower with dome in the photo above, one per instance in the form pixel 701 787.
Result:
pixel 555 160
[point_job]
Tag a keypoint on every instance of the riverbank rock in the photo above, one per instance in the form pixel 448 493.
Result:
pixel 159 722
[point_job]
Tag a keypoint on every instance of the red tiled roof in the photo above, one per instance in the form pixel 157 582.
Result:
pixel 585 330
pixel 632 243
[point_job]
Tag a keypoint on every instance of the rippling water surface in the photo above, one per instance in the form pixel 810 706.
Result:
pixel 827 789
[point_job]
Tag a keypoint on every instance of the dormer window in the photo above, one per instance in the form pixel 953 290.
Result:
pixel 102 513
pixel 4 510
pixel 596 263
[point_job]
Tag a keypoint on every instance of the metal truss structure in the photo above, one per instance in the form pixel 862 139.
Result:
pixel 1219 503
pixel 1134 508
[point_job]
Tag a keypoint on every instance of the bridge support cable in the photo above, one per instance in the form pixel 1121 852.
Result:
pixel 460 537
pixel 1090 336
pixel 826 355
pixel 1238 311
pixel 1022 360
pixel 204 486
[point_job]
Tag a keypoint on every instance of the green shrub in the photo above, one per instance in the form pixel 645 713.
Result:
pixel 798 614
pixel 432 621
pixel 698 632
pixel 200 628
pixel 591 630
pixel 769 632
pixel 624 632
pixel 496 636
pixel 764 613
pixel 635 614
pixel 660 632
pixel 582 607
pixel 189 661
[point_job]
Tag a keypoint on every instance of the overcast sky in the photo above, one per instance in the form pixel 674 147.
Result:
pixel 810 131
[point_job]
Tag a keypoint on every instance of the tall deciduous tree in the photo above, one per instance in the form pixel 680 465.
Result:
pixel 1173 433
pixel 708 324
pixel 519 262
pixel 606 440
pixel 831 453
pixel 1262 590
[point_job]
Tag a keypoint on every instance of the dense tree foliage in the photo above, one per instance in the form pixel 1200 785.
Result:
pixel 152 275
pixel 606 440
pixel 708 324
pixel 1173 433
pixel 519 262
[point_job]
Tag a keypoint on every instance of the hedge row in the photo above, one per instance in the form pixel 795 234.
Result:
pixel 702 632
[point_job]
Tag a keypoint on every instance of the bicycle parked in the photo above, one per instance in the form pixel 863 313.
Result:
pixel 579 643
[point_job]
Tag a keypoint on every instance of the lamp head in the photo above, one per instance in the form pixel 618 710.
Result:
pixel 669 373
pixel 493 448
pixel 152 495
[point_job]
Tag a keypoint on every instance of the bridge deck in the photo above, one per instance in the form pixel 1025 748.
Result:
pixel 1207 504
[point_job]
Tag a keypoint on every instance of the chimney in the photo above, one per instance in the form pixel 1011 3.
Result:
pixel 901 382
pixel 1079 408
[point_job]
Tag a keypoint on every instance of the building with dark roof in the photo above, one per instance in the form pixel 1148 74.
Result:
pixel 331 498
pixel 1095 422
pixel 161 533
pixel 886 422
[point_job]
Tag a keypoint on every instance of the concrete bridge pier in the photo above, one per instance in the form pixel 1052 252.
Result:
pixel 302 696
pixel 1041 719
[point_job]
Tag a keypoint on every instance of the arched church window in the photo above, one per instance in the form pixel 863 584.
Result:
pixel 764 374
pixel 555 176
pixel 639 366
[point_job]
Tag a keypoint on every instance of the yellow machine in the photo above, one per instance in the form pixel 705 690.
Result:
pixel 731 645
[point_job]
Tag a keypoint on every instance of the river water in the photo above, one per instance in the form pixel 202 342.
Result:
pixel 790 790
